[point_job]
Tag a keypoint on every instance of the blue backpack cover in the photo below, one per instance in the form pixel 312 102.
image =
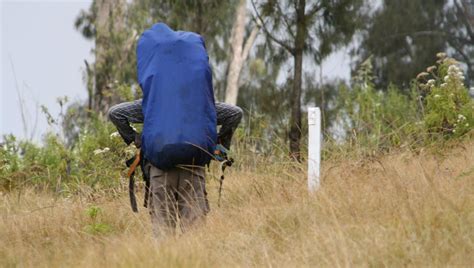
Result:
pixel 178 99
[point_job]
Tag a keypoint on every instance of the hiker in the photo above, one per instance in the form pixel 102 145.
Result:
pixel 179 132
pixel 126 113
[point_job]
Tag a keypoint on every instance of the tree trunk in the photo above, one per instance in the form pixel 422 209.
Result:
pixel 90 84
pixel 239 52
pixel 295 119
pixel 469 11
pixel 110 18
pixel 103 8
pixel 199 22
pixel 323 97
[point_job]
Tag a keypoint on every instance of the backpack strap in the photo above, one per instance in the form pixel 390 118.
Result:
pixel 146 178
pixel 133 163
pixel 227 162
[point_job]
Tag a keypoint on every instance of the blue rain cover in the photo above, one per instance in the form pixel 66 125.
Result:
pixel 178 98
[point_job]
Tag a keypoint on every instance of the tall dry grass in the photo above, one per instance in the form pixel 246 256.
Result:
pixel 406 208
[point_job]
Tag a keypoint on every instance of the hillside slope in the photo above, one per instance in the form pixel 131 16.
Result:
pixel 400 209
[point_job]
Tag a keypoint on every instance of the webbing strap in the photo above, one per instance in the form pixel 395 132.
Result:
pixel 131 192
pixel 226 163
pixel 134 165
pixel 131 182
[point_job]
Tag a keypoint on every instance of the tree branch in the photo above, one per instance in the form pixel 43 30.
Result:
pixel 464 16
pixel 314 10
pixel 418 33
pixel 285 19
pixel 274 39
pixel 461 52
pixel 250 41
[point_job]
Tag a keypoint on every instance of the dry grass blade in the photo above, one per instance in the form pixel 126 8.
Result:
pixel 414 209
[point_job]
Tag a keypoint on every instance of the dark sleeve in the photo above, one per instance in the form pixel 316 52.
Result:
pixel 123 114
pixel 228 117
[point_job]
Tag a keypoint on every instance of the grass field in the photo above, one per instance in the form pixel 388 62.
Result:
pixel 404 208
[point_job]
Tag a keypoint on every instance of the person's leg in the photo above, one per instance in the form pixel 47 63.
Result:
pixel 123 114
pixel 228 117
pixel 192 196
pixel 162 201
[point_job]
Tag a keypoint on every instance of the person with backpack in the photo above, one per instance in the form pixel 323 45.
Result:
pixel 179 118
pixel 124 114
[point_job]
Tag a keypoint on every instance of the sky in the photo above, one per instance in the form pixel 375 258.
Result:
pixel 42 58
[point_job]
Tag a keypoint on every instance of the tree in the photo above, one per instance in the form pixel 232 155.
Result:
pixel 240 52
pixel 105 22
pixel 115 25
pixel 314 28
pixel 403 38
pixel 459 33
pixel 210 18
pixel 405 35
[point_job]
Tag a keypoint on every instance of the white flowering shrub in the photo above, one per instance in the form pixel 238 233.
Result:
pixel 448 108
pixel 437 106
pixel 378 119
pixel 96 162
pixel 9 158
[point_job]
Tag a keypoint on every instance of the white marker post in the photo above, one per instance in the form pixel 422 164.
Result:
pixel 314 148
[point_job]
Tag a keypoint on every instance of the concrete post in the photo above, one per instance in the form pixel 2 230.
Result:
pixel 314 148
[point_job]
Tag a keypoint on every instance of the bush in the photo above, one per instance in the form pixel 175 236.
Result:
pixel 449 108
pixel 375 120
pixel 437 107
pixel 96 161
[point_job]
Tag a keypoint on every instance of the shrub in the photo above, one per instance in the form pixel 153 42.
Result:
pixel 95 161
pixel 375 120
pixel 449 109
pixel 436 107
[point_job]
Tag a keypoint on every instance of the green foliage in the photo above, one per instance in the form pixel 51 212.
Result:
pixel 402 37
pixel 95 163
pixel 9 160
pixel 114 70
pixel 367 120
pixel 437 107
pixel 376 120
pixel 96 226
pixel 93 211
pixel 326 97
pixel 449 108
pixel 458 28
pixel 125 92
pixel 328 24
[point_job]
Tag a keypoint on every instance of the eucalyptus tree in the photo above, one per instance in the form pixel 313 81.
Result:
pixel 240 51
pixel 306 28
pixel 115 26
pixel 105 23
pixel 403 37
pixel 213 19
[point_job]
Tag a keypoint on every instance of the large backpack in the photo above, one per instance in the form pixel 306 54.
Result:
pixel 178 98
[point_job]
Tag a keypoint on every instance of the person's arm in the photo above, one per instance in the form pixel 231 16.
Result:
pixel 228 117
pixel 122 115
